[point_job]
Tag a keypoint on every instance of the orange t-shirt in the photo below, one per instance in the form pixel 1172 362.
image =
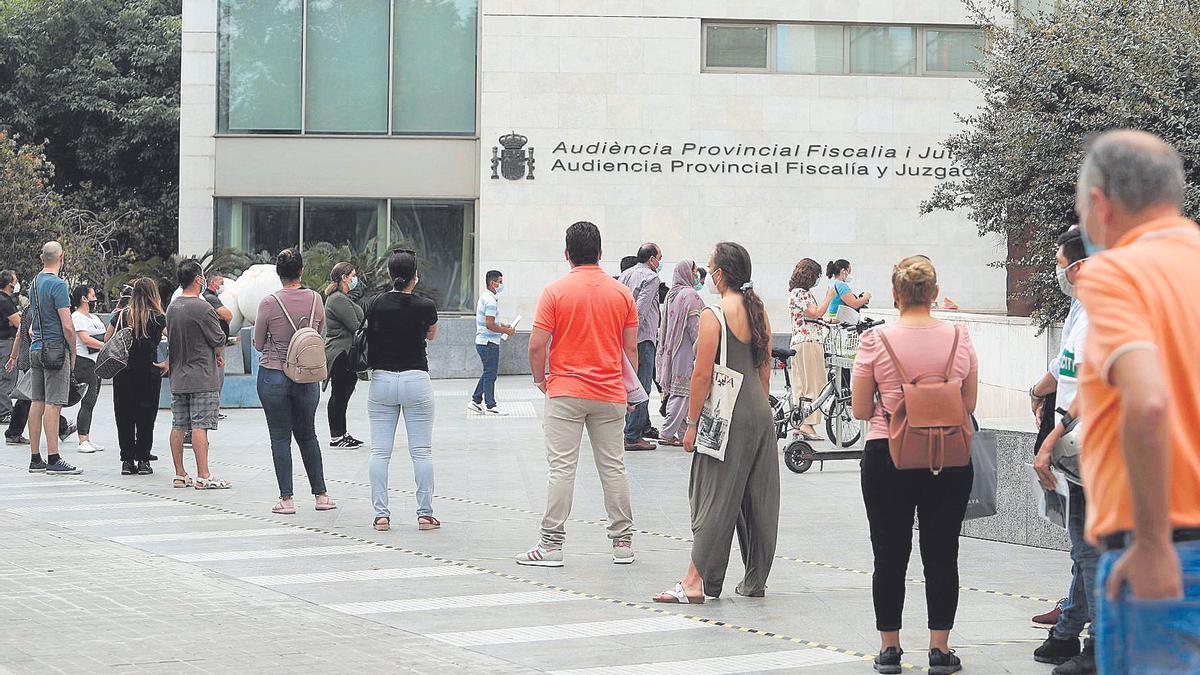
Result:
pixel 586 313
pixel 1141 295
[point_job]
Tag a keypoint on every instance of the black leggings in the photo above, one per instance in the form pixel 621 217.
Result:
pixel 342 382
pixel 135 407
pixel 85 372
pixel 891 496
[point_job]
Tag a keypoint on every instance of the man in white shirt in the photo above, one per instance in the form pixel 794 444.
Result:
pixel 488 334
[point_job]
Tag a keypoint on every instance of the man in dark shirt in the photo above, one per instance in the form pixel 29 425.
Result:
pixel 10 321
pixel 212 293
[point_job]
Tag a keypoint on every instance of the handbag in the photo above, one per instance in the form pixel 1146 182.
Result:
pixel 23 389
pixel 984 451
pixel 53 355
pixel 712 432
pixel 75 392
pixel 114 357
pixel 358 345
pixel 930 429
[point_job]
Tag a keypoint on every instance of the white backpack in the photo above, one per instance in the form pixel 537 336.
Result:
pixel 305 360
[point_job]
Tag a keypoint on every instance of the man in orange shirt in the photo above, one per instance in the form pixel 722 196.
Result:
pixel 585 320
pixel 1140 388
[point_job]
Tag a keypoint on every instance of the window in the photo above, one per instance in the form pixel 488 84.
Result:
pixel 336 67
pixel 257 225
pixel 259 66
pixel 1031 9
pixel 883 50
pixel 810 48
pixel 742 46
pixel 433 79
pixel 843 49
pixel 442 232
pixel 443 235
pixel 952 51
pixel 347 79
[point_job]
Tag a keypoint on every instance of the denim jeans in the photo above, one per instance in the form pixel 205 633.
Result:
pixel 1081 599
pixel 391 394
pixel 485 391
pixel 291 410
pixel 1149 637
pixel 637 421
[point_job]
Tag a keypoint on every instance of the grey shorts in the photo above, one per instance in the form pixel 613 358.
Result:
pixel 49 386
pixel 195 411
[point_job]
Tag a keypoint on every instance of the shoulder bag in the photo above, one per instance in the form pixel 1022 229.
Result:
pixel 712 432
pixel 359 362
pixel 114 357
pixel 930 429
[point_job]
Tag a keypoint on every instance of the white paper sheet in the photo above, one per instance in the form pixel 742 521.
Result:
pixel 1052 505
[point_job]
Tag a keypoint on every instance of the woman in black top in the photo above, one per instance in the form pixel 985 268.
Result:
pixel 398 326
pixel 136 388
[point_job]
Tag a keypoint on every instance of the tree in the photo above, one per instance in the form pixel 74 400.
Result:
pixel 99 80
pixel 28 205
pixel 1049 83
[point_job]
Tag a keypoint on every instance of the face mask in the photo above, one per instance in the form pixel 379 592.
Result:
pixel 660 266
pixel 698 286
pixel 500 287
pixel 1064 284
pixel 353 283
pixel 220 289
pixel 712 283
pixel 17 288
pixel 1090 247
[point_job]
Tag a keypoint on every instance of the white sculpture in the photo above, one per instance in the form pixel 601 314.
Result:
pixel 256 283
pixel 229 298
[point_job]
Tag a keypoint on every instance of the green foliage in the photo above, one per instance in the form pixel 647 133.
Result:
pixel 28 205
pixel 1049 84
pixel 99 80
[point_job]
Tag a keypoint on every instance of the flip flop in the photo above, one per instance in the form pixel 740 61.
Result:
pixel 677 596
pixel 428 523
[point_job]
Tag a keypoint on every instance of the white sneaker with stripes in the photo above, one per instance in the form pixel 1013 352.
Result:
pixel 540 557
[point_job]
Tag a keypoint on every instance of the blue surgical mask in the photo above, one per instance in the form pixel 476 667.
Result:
pixel 500 287
pixel 698 285
pixel 353 283
pixel 660 266
pixel 1090 247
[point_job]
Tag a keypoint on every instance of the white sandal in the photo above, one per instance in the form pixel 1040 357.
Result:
pixel 211 483
pixel 678 596
pixel 185 480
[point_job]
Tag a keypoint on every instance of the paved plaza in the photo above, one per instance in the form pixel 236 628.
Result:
pixel 108 573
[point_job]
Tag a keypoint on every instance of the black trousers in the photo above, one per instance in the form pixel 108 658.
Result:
pixel 342 381
pixel 135 408
pixel 85 372
pixel 892 496
pixel 19 422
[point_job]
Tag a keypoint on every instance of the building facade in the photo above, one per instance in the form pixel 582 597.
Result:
pixel 475 131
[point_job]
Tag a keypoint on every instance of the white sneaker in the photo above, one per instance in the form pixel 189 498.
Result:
pixel 540 557
pixel 495 412
pixel 475 407
pixel 88 446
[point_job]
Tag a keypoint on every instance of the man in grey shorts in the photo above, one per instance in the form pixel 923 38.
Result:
pixel 53 334
pixel 195 344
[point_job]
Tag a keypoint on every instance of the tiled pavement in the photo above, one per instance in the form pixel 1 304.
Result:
pixel 102 572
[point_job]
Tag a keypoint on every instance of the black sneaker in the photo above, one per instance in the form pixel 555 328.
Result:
pixel 1056 651
pixel 143 469
pixel 345 441
pixel 66 433
pixel 153 458
pixel 16 440
pixel 128 469
pixel 942 663
pixel 61 468
pixel 650 432
pixel 888 660
pixel 37 465
pixel 1084 664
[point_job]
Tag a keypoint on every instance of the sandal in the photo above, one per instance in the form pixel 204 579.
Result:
pixel 211 483
pixel 382 523
pixel 677 596
pixel 325 503
pixel 428 523
pixel 181 482
pixel 673 442
pixel 285 507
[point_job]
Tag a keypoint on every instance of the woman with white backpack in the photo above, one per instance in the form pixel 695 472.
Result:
pixel 287 332
pixel 917 383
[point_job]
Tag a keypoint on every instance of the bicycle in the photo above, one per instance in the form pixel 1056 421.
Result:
pixel 840 345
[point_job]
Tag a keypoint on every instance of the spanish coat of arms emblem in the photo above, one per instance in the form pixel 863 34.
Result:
pixel 515 161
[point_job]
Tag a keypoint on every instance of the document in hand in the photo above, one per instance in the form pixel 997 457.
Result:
pixel 1053 505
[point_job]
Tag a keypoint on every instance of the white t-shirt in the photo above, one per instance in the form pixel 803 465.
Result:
pixel 1065 366
pixel 93 325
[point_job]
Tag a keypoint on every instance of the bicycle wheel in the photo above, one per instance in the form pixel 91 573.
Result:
pixel 851 429
pixel 780 414
pixel 798 456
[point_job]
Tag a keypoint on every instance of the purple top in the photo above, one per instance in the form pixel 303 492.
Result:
pixel 273 332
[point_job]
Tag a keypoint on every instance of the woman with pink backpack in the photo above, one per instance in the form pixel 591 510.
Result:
pixel 917 383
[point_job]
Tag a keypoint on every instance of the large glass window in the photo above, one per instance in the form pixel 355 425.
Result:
pixel 347 80
pixel 743 46
pixel 357 223
pixel 259 66
pixel 257 225
pixel 443 235
pixel 811 48
pixel 952 51
pixel 884 50
pixel 433 76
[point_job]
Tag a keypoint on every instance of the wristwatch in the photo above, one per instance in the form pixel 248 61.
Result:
pixel 691 422
pixel 1035 396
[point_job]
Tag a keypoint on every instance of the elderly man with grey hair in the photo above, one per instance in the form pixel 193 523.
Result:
pixel 1140 386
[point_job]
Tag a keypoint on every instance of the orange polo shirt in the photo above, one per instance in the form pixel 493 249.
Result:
pixel 586 313
pixel 1142 294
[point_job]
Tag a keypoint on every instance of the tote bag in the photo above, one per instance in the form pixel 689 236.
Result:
pixel 712 433
pixel 114 357
pixel 984 450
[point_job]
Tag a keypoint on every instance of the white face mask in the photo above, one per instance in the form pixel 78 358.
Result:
pixel 17 288
pixel 712 283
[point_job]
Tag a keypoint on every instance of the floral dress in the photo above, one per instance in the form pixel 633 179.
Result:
pixel 799 300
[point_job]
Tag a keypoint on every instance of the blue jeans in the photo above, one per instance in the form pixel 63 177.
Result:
pixel 638 420
pixel 391 394
pixel 1081 599
pixel 291 410
pixel 1150 637
pixel 485 391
